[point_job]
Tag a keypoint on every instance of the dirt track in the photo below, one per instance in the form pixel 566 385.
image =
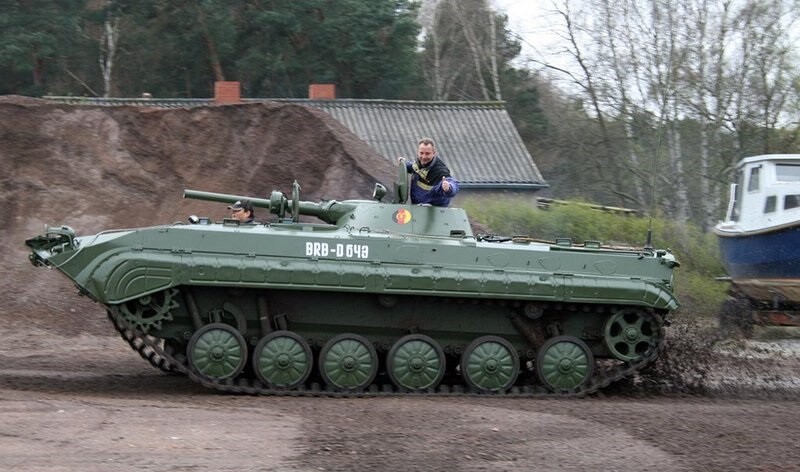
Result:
pixel 89 403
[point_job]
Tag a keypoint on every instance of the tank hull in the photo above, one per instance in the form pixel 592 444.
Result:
pixel 116 267
pixel 390 291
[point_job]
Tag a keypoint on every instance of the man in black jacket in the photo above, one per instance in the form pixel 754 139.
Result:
pixel 431 181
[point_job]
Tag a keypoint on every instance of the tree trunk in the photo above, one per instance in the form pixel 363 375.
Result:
pixel 38 70
pixel 493 56
pixel 474 47
pixel 108 48
pixel 213 57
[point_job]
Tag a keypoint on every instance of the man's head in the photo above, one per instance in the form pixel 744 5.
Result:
pixel 242 210
pixel 426 151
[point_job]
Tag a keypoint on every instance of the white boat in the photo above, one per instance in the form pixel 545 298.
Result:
pixel 760 238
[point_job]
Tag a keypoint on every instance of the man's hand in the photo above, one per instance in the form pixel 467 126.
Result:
pixel 445 184
pixel 401 159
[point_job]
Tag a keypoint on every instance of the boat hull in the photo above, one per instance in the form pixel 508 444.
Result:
pixel 765 265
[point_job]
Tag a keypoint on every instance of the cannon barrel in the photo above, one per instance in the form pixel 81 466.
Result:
pixel 227 198
pixel 328 211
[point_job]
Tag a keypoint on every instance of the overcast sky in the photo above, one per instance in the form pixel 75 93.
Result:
pixel 533 22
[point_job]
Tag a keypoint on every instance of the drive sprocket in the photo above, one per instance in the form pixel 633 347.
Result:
pixel 149 311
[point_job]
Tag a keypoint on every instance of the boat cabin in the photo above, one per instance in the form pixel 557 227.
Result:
pixel 766 193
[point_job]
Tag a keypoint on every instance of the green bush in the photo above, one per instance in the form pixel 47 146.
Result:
pixel 696 250
pixel 699 294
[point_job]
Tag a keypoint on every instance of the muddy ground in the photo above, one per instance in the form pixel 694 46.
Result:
pixel 88 402
pixel 75 397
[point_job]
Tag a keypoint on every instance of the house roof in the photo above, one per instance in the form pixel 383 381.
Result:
pixel 477 140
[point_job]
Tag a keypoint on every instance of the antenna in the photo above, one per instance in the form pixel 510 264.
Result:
pixel 648 244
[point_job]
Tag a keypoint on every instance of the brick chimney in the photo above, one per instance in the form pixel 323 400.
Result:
pixel 322 91
pixel 227 92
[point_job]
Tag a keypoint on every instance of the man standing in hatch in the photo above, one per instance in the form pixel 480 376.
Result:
pixel 431 181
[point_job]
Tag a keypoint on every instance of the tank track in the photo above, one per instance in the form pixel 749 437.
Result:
pixel 150 349
pixel 142 345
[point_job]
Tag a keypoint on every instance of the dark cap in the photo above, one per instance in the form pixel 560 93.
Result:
pixel 241 205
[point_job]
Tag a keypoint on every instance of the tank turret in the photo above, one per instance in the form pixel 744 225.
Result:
pixel 372 297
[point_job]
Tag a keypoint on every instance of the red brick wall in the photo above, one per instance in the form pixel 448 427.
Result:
pixel 227 92
pixel 322 91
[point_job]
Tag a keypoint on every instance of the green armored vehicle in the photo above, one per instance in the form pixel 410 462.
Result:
pixel 370 298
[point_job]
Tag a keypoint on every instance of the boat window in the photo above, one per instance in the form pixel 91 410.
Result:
pixel 736 197
pixel 770 204
pixel 787 172
pixel 753 183
pixel 791 201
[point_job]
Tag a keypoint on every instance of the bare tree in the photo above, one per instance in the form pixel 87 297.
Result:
pixel 108 49
pixel 592 78
pixel 461 49
pixel 492 53
pixel 680 80
pixel 211 44
pixel 469 30
pixel 735 77
pixel 772 67
pixel 444 66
